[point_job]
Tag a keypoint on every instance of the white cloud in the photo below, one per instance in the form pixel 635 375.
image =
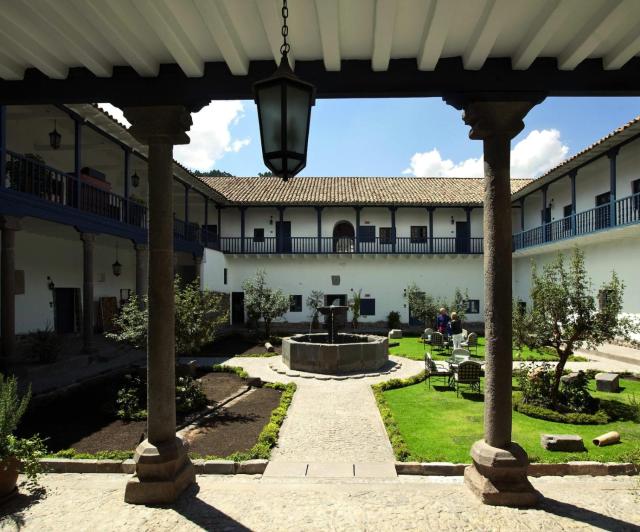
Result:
pixel 115 112
pixel 536 153
pixel 210 134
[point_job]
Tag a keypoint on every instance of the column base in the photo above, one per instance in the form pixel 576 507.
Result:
pixel 162 473
pixel 498 477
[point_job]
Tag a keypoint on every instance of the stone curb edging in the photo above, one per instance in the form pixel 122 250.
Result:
pixel 535 470
pixel 325 377
pixel 209 467
pixel 257 467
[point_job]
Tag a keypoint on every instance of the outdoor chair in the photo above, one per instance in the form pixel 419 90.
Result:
pixel 435 369
pixel 426 336
pixel 471 341
pixel 437 341
pixel 465 333
pixel 460 354
pixel 467 374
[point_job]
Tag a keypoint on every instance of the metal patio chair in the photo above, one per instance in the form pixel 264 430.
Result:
pixel 471 341
pixel 435 369
pixel 467 374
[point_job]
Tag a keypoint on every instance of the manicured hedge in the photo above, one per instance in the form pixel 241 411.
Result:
pixel 573 418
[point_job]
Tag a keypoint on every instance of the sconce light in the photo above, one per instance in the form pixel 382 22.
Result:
pixel 404 293
pixel 453 221
pixel 271 220
pixel 54 137
pixel 51 285
pixel 135 179
pixel 116 266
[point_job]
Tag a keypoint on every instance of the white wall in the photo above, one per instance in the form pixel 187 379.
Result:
pixel 601 258
pixel 381 277
pixel 46 249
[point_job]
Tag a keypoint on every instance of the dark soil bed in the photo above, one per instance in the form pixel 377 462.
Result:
pixel 235 428
pixel 85 419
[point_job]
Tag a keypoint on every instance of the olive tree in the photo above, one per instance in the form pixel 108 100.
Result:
pixel 565 315
pixel 265 302
pixel 422 306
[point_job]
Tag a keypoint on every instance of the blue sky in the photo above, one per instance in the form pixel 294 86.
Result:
pixel 418 136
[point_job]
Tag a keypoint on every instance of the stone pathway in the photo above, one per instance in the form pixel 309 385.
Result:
pixel 95 502
pixel 330 422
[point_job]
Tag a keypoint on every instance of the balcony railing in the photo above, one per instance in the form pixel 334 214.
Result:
pixel 314 245
pixel 625 211
pixel 31 177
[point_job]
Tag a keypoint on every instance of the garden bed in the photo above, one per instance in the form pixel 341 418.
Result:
pixel 237 345
pixel 433 425
pixel 83 422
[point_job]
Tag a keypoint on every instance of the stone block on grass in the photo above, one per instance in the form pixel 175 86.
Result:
pixel 608 382
pixel 395 333
pixel 562 442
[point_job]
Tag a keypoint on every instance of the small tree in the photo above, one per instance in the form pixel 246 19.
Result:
pixel 268 303
pixel 314 300
pixel 564 313
pixel 422 306
pixel 354 306
pixel 459 303
pixel 198 316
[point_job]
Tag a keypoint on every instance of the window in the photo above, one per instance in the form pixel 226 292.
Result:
pixel 522 307
pixel 367 233
pixel 418 234
pixel 603 298
pixel 295 303
pixel 635 189
pixel 335 280
pixel 225 276
pixel 212 230
pixel 367 307
pixel 473 306
pixel 258 234
pixel 386 235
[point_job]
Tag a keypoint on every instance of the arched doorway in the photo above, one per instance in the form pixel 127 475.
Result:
pixel 344 237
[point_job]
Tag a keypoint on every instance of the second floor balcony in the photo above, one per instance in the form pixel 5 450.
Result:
pixel 623 212
pixel 347 245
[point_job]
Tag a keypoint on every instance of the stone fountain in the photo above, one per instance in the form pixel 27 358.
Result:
pixel 335 352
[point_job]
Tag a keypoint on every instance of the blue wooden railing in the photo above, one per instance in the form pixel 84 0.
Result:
pixel 313 244
pixel 625 211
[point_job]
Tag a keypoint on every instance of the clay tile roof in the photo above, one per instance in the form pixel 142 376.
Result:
pixel 418 191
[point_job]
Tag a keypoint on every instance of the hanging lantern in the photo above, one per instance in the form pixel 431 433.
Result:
pixel 284 110
pixel 116 267
pixel 135 180
pixel 54 137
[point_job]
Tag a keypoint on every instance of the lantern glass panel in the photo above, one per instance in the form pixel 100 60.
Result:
pixel 270 106
pixel 298 108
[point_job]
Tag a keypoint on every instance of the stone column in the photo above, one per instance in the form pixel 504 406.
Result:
pixel 499 471
pixel 142 261
pixel 9 225
pixel 197 261
pixel 163 469
pixel 88 314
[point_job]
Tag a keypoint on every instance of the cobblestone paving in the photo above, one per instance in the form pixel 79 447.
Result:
pixel 95 502
pixel 330 421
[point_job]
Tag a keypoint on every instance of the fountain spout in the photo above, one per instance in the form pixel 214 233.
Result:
pixel 331 324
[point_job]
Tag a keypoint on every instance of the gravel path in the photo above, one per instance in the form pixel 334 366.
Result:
pixel 95 502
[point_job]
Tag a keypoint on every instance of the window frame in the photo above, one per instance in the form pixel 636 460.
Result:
pixel 295 302
pixel 423 234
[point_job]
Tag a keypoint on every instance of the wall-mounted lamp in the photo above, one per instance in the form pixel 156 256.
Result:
pixel 51 285
pixel 116 267
pixel 453 221
pixel 54 137
pixel 271 220
pixel 135 179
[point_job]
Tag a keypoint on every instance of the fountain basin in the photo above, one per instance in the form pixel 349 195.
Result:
pixel 351 353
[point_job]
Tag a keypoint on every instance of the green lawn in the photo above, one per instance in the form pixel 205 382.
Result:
pixel 412 347
pixel 437 426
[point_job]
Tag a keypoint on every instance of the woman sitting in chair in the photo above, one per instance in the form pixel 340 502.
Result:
pixel 455 330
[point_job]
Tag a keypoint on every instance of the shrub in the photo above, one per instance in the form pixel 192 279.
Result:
pixel 219 368
pixel 198 316
pixel 393 320
pixel 264 302
pixel 27 451
pixel 45 344
pixel 132 397
pixel 574 418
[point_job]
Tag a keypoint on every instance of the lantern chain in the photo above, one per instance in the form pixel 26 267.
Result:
pixel 284 49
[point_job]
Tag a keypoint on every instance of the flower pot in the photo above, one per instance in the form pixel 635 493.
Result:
pixel 8 476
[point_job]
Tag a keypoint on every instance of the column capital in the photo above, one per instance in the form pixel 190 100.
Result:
pixel 140 247
pixel 489 119
pixel 12 223
pixel 613 152
pixel 319 208
pixel 88 238
pixel 159 123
